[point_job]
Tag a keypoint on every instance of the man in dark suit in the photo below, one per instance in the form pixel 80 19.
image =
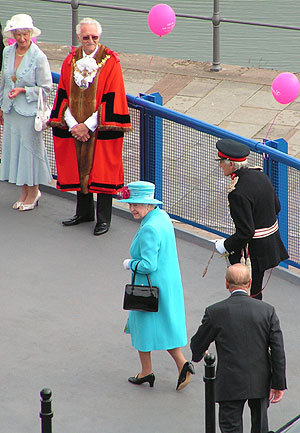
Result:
pixel 250 350
pixel 254 206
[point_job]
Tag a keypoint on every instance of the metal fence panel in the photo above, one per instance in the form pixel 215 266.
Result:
pixel 194 190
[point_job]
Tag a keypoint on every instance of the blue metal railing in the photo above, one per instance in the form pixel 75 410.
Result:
pixel 177 153
pixel 283 170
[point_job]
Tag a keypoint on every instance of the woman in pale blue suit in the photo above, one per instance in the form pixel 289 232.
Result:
pixel 25 68
pixel 153 252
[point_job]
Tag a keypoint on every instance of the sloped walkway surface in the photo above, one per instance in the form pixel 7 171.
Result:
pixel 62 327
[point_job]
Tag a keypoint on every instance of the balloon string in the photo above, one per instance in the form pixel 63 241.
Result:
pixel 150 61
pixel 272 123
pixel 265 139
pixel 155 49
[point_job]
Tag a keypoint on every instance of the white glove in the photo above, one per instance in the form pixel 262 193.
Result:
pixel 126 264
pixel 219 244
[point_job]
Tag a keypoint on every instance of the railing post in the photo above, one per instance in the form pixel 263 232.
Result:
pixel 210 405
pixel 74 4
pixel 46 413
pixel 216 38
pixel 152 146
pixel 278 173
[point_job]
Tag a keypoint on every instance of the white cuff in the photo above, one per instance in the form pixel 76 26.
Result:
pixel 92 122
pixel 219 243
pixel 126 264
pixel 70 120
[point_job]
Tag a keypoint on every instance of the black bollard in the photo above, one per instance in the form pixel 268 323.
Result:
pixel 46 413
pixel 210 405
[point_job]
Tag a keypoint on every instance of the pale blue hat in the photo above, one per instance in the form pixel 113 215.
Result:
pixel 139 192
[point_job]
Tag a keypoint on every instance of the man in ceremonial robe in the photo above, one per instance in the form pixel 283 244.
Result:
pixel 89 119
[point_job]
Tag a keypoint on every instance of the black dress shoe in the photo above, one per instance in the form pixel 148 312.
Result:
pixel 184 377
pixel 77 219
pixel 136 380
pixel 101 228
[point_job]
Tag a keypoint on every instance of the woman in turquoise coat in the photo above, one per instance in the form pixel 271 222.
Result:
pixel 153 252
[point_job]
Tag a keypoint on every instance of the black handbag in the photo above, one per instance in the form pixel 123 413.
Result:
pixel 140 297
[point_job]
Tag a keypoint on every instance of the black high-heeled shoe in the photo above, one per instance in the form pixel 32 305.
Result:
pixel 136 380
pixel 184 377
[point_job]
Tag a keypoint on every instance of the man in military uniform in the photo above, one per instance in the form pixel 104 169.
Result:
pixel 254 206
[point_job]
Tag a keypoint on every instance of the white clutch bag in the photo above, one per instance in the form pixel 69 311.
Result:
pixel 42 114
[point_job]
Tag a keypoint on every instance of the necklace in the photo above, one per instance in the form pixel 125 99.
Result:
pixel 21 55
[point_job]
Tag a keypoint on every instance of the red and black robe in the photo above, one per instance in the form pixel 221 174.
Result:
pixel 96 165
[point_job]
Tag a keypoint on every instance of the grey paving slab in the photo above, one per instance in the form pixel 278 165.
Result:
pixel 294 106
pixel 244 129
pixel 136 83
pixel 252 115
pixel 263 99
pixel 214 109
pixel 271 132
pixel 293 144
pixel 199 87
pixel 288 117
pixel 62 326
pixel 182 103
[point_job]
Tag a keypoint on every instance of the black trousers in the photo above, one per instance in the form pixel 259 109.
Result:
pixel 257 275
pixel 231 415
pixel 257 280
pixel 85 206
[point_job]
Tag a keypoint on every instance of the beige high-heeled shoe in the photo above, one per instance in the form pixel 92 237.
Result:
pixel 31 206
pixel 17 204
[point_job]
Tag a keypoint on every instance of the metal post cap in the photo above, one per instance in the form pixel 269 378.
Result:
pixel 209 359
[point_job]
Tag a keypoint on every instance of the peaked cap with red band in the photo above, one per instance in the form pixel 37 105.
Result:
pixel 232 150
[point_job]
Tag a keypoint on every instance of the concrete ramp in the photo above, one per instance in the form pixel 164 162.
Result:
pixel 62 327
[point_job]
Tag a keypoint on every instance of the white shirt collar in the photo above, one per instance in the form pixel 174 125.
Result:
pixel 239 290
pixel 90 55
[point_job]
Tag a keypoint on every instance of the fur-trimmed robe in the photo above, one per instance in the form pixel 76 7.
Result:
pixel 95 165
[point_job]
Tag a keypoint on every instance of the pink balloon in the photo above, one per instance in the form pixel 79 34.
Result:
pixel 285 88
pixel 161 19
pixel 12 41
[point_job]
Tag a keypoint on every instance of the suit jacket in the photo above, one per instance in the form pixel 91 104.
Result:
pixel 254 205
pixel 249 344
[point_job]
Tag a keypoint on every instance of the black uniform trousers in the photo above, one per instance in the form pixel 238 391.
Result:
pixel 257 280
pixel 257 275
pixel 85 206
pixel 231 415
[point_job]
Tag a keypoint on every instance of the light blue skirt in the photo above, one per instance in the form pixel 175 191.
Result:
pixel 24 158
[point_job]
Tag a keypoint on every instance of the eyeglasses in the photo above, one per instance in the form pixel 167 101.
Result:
pixel 87 38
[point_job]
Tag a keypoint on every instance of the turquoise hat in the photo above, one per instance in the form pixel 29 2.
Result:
pixel 139 192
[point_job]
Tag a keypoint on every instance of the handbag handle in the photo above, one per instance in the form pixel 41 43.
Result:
pixel 40 104
pixel 134 274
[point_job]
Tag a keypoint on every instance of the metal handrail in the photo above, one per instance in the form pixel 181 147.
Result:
pixel 215 19
pixel 199 125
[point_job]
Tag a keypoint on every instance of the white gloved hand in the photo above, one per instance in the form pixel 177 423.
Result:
pixel 219 244
pixel 126 264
